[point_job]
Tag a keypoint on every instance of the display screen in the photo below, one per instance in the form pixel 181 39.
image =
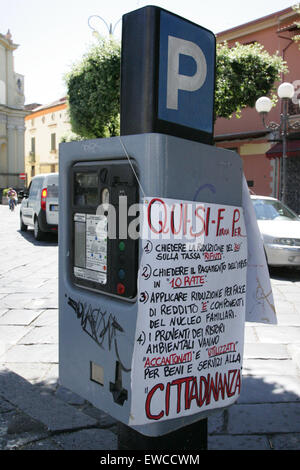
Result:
pixel 86 189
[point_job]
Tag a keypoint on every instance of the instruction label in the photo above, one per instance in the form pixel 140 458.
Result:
pixel 94 228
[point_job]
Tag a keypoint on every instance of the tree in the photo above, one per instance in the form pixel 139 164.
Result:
pixel 93 86
pixel 243 74
pixel 296 8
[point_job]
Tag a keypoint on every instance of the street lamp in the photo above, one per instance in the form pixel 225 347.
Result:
pixel 110 27
pixel 263 106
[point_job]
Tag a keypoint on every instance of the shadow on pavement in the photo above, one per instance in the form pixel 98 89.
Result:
pixel 30 414
pixel 50 239
pixel 33 418
pixel 285 273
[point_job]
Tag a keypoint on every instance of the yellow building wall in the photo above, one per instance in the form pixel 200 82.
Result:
pixel 40 125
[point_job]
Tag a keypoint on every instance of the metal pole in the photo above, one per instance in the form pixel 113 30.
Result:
pixel 284 131
pixel 110 27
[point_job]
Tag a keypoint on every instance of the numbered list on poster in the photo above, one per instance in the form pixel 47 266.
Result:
pixel 191 310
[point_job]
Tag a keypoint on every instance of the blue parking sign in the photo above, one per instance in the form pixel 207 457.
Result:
pixel 167 75
pixel 186 73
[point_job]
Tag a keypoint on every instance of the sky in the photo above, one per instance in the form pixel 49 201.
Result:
pixel 54 34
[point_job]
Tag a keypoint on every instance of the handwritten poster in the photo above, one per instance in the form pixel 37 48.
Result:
pixel 189 338
pixel 260 306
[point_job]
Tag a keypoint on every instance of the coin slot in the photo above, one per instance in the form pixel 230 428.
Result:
pixel 96 373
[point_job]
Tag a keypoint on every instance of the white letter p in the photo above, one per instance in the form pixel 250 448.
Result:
pixel 177 81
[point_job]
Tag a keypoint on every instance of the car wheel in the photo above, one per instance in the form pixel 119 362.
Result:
pixel 38 233
pixel 23 227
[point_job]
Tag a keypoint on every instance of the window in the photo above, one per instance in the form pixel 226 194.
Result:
pixel 32 146
pixel 19 84
pixel 269 210
pixel 2 92
pixel 35 186
pixel 234 149
pixel 248 43
pixel 53 142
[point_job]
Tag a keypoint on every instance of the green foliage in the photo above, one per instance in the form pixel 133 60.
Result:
pixel 70 137
pixel 296 8
pixel 243 74
pixel 94 91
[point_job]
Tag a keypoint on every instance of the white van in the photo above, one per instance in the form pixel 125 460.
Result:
pixel 39 207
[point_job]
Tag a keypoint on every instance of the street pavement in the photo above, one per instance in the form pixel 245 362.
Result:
pixel 36 413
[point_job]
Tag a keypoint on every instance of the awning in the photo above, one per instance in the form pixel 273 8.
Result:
pixel 292 149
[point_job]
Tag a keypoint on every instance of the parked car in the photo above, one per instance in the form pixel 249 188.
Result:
pixel 280 230
pixel 39 206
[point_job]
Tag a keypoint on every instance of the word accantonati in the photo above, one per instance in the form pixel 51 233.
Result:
pixel 189 338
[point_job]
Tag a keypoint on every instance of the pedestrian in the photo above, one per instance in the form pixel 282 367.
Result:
pixel 13 198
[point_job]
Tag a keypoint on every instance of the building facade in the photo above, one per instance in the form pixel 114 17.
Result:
pixel 12 116
pixel 46 126
pixel 260 150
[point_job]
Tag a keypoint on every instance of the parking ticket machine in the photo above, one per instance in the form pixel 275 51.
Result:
pixel 152 242
pixel 109 185
pixel 102 297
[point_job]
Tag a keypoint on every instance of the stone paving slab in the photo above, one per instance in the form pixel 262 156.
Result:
pixel 294 350
pixel 18 429
pixel 68 396
pixel 246 442
pixel 250 334
pixel 285 318
pixel 34 373
pixel 43 303
pixel 216 422
pixel 282 335
pixel 88 439
pixel 289 288
pixel 265 367
pixel 264 418
pixel 265 351
pixel 51 377
pixel 47 318
pixel 11 286
pixel 19 317
pixel 17 301
pixel 44 444
pixel 55 414
pixel 285 442
pixel 41 335
pixel 5 406
pixel 285 306
pixel 11 334
pixel 39 353
pixel 270 389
